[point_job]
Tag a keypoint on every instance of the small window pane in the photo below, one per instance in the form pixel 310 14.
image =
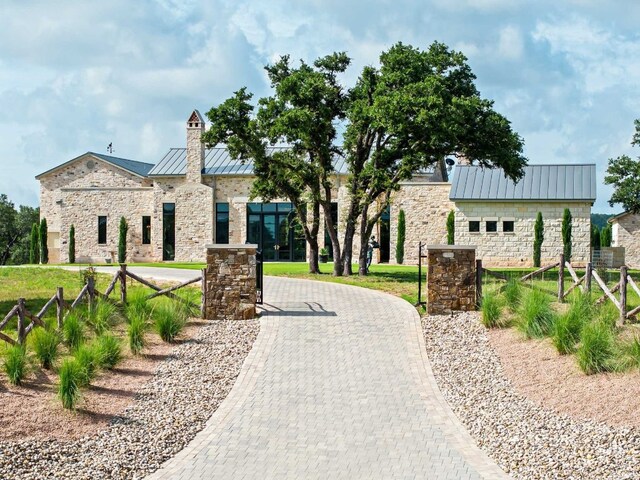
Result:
pixel 222 207
pixel 222 223
pixel 507 226
pixel 474 226
pixel 102 230
pixel 492 226
pixel 269 207
pixel 254 207
pixel 146 230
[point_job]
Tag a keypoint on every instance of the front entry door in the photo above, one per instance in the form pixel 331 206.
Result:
pixel 271 226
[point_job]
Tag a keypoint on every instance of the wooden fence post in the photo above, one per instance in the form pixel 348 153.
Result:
pixel 60 306
pixel 479 281
pixel 623 294
pixel 561 279
pixel 123 283
pixel 21 325
pixel 587 278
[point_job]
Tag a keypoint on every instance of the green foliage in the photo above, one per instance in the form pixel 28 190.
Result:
pixel 137 303
pixel 538 238
pixel 44 249
pixel 605 236
pixel 72 244
pixel 402 232
pixel 566 234
pixel 566 328
pixel 535 315
pixel 103 316
pixel 629 354
pixel 135 332
pixel 600 220
pixel 88 360
pixel 595 237
pixel 451 228
pixel 109 351
pixel 597 347
pixel 491 310
pixel 34 245
pixel 44 343
pixel 513 294
pixel 15 228
pixel 70 380
pixel 15 363
pixel 122 240
pixel 73 330
pixel 169 318
pixel 624 174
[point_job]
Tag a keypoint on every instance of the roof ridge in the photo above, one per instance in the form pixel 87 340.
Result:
pixel 102 155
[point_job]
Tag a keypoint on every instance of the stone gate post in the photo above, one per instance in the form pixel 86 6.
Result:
pixel 451 278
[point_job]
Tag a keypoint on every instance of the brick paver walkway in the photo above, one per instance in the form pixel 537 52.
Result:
pixel 337 386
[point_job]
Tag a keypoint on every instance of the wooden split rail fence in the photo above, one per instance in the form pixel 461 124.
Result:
pixel 584 283
pixel 27 321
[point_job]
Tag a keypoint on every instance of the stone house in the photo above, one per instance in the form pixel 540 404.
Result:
pixel 625 232
pixel 196 196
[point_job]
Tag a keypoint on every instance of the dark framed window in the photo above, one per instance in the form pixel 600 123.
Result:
pixel 168 231
pixel 492 226
pixel 474 226
pixel 222 223
pixel 508 226
pixel 146 230
pixel 102 230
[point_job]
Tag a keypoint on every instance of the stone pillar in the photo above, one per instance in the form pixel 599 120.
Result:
pixel 230 282
pixel 451 273
pixel 195 148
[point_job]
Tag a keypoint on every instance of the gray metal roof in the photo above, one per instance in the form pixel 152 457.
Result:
pixel 217 161
pixel 576 182
pixel 138 168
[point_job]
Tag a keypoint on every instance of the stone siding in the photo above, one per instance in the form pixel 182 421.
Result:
pixel 503 249
pixel 626 233
pixel 230 282
pixel 451 279
pixel 194 221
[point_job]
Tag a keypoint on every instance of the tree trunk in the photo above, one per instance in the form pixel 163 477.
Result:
pixel 364 244
pixel 314 265
pixel 333 235
pixel 310 234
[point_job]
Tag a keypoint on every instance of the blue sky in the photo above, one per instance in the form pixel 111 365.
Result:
pixel 75 76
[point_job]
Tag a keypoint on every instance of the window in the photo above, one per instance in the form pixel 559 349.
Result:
pixel 508 226
pixel 222 223
pixel 492 226
pixel 168 231
pixel 474 226
pixel 102 230
pixel 146 230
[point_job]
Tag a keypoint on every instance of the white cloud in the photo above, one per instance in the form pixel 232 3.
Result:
pixel 510 43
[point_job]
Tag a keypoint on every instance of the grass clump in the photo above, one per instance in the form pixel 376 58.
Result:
pixel 169 319
pixel 103 316
pixel 513 294
pixel 628 354
pixel 137 304
pixel 15 363
pixel 491 310
pixel 597 347
pixel 565 332
pixel 86 357
pixel 44 343
pixel 73 330
pixel 135 332
pixel 535 315
pixel 70 381
pixel 109 351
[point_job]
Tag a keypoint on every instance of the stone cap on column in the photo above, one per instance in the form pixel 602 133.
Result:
pixel 225 246
pixel 451 247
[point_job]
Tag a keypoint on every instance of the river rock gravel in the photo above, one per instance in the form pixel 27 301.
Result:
pixel 168 412
pixel 526 440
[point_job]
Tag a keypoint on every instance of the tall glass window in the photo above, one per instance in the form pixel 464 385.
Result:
pixel 102 230
pixel 146 230
pixel 222 223
pixel 168 231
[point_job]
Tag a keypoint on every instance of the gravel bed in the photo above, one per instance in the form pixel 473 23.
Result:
pixel 170 409
pixel 526 440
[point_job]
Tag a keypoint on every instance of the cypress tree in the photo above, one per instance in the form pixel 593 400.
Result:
pixel 605 236
pixel 34 245
pixel 538 238
pixel 44 249
pixel 72 244
pixel 451 228
pixel 401 237
pixel 566 234
pixel 596 240
pixel 122 240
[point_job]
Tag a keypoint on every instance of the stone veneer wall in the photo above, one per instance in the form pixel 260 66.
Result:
pixel 230 282
pixel 194 221
pixel 503 249
pixel 625 232
pixel 451 279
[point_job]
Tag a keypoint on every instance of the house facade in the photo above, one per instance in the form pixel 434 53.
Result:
pixel 625 232
pixel 196 196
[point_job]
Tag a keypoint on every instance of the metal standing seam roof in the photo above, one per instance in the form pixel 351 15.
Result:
pixel 141 169
pixel 217 161
pixel 576 182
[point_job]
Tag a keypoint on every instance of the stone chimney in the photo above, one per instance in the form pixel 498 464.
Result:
pixel 195 148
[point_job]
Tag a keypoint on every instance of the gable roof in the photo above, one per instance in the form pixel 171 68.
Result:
pixel 217 161
pixel 140 169
pixel 574 182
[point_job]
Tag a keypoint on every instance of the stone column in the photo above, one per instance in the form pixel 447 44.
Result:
pixel 230 282
pixel 451 272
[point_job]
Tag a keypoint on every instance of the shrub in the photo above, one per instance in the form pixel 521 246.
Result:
pixel 42 237
pixel 15 363
pixel 566 234
pixel 597 347
pixel 122 240
pixel 72 244
pixel 535 314
pixel 565 332
pixel 169 320
pixel 34 245
pixel 451 228
pixel 70 381
pixel 491 310
pixel 45 344
pixel 73 330
pixel 109 351
pixel 629 355
pixel 137 303
pixel 103 316
pixel 513 294
pixel 135 332
pixel 538 238
pixel 87 359
pixel 401 237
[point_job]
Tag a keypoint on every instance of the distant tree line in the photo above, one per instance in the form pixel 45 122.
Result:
pixel 16 226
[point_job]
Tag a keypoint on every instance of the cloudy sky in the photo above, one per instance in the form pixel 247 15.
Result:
pixel 77 75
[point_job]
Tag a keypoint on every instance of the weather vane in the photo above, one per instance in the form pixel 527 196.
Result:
pixel 110 147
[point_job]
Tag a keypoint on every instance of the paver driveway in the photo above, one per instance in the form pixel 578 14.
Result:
pixel 336 386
